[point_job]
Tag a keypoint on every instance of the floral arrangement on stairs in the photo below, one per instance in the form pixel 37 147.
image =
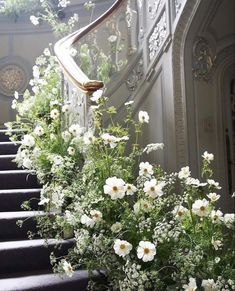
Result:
pixel 149 230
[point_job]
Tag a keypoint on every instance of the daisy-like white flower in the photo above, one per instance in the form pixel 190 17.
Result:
pixel 39 131
pixel 216 216
pixel 66 108
pixel 153 189
pixel 211 182
pixel 208 157
pixel 130 189
pixel 146 251
pixel 180 211
pixel 27 163
pixel 96 96
pixel 191 286
pixel 143 117
pixel 109 139
pixel 201 207
pixel 194 182
pixel 115 188
pixel 28 140
pixel 146 169
pixel 213 197
pixel 34 20
pixel 68 269
pixel 88 138
pixel 122 247
pixel 66 135
pixel 153 147
pixel 184 173
pixel 116 227
pixel 217 244
pixel 71 151
pixel 63 3
pixel 209 285
pixel 142 205
pixel 96 215
pixel 86 220
pixel 54 114
pixel 75 129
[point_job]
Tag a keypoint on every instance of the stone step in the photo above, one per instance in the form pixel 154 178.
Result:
pixel 18 179
pixel 12 199
pixel 9 228
pixel 7 163
pixel 28 255
pixel 9 148
pixel 4 137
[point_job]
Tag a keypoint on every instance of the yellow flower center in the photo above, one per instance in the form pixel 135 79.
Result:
pixel 115 188
pixel 145 170
pixel 202 208
pixel 152 189
pixel 180 213
pixel 122 246
pixel 146 251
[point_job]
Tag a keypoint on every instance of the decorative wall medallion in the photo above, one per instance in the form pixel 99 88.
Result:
pixel 12 78
pixel 203 59
pixel 157 36
pixel 135 76
pixel 154 8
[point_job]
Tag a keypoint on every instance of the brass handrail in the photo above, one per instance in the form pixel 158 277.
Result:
pixel 70 68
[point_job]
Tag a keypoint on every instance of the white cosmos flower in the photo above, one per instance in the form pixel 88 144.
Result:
pixel 71 151
pixel 217 244
pixel 208 157
pixel 86 220
pixel 209 285
pixel 54 114
pixel 146 251
pixel 68 269
pixel 229 220
pixel 153 189
pixel 191 286
pixel 184 173
pixel 145 169
pixel 213 197
pixel 211 182
pixel 66 108
pixel 34 20
pixel 122 247
pixel 75 129
pixel 39 131
pixel 216 216
pixel 201 207
pixel 96 96
pixel 142 205
pixel 194 182
pixel 63 3
pixel 116 227
pixel 180 211
pixel 66 135
pixel 153 147
pixel 89 138
pixel 96 215
pixel 143 117
pixel 115 188
pixel 130 189
pixel 109 139
pixel 28 140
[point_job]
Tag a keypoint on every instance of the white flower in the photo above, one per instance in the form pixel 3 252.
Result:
pixel 75 129
pixel 194 182
pixel 201 207
pixel 192 286
pixel 109 139
pixel 36 72
pixel 180 211
pixel 70 218
pixel 115 188
pixel 123 138
pixel 229 219
pixel 217 260
pixel 47 52
pixel 143 117
pixel 213 183
pixel 27 163
pixel 16 95
pixel 153 189
pixel 217 244
pixel 66 136
pixel 130 189
pixel 209 285
pixel 216 216
pixel 122 247
pixel 14 104
pixel 28 140
pixel 54 114
pixel 71 151
pixel 96 215
pixel 44 201
pixel 116 227
pixel 112 38
pixel 208 157
pixel 89 138
pixel 153 147
pixel 142 205
pixel 145 169
pixel 68 269
pixel 213 197
pixel 129 103
pixel 146 251
pixel 63 3
pixel 184 173
pixel 34 20
pixel 89 222
pixel 96 96
pixel 66 108
pixel 39 131
pixel 54 102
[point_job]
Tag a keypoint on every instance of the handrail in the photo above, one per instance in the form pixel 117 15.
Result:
pixel 71 69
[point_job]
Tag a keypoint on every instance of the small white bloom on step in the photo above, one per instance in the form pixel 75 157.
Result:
pixel 34 20
pixel 213 197
pixel 143 117
pixel 88 138
pixel 66 108
pixel 68 269
pixel 27 163
pixel 146 251
pixel 191 286
pixel 217 244
pixel 208 157
pixel 153 147
pixel 86 220
pixel 96 215
pixel 71 151
pixel 180 212
pixel 28 140
pixel 54 114
pixel 130 189
pixel 209 285
pixel 96 96
pixel 116 227
pixel 115 188
pixel 184 173
pixel 39 131
pixel 216 216
pixel 75 129
pixel 201 207
pixel 146 169
pixel 122 247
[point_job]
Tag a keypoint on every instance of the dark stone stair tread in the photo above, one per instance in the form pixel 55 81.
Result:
pixel 18 179
pixel 8 147
pixel 7 162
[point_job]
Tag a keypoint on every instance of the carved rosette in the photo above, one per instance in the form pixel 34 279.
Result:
pixel 157 36
pixel 135 76
pixel 154 8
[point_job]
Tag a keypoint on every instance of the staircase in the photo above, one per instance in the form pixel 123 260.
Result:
pixel 24 263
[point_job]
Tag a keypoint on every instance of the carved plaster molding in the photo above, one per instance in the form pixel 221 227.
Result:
pixel 135 76
pixel 154 8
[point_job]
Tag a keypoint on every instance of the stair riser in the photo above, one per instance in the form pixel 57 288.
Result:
pixel 13 201
pixel 29 258
pixel 18 181
pixel 3 137
pixel 8 149
pixel 7 164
